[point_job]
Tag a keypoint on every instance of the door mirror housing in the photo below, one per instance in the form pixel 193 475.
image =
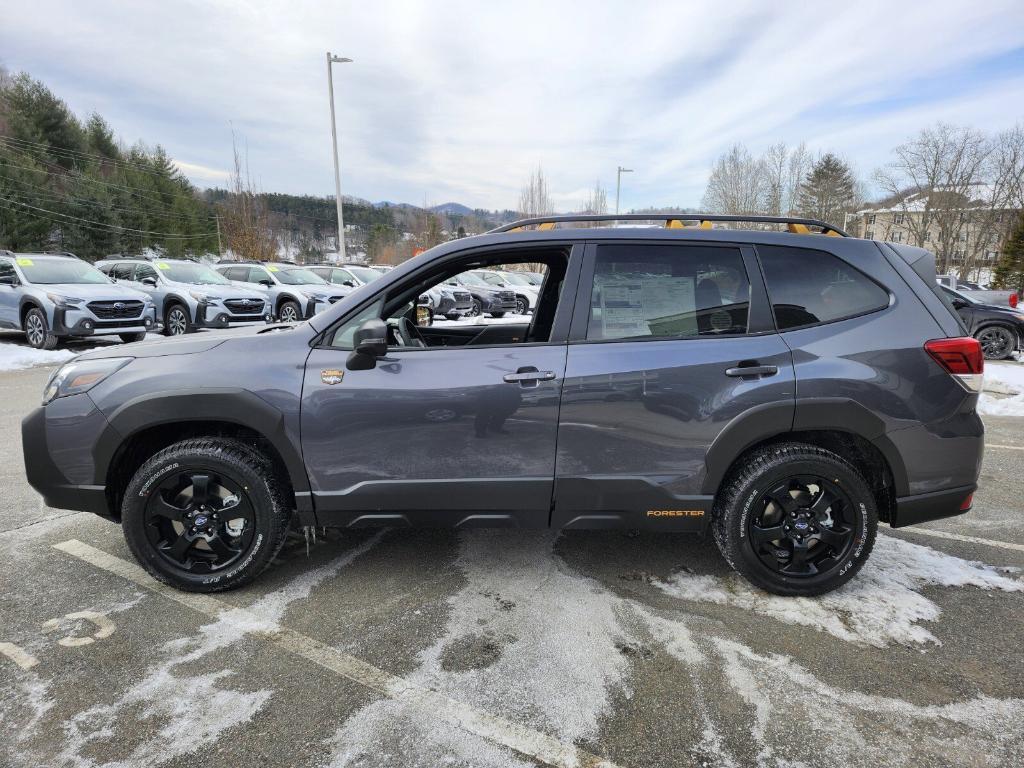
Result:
pixel 370 343
pixel 11 280
pixel 150 281
pixel 349 283
pixel 267 282
pixel 959 303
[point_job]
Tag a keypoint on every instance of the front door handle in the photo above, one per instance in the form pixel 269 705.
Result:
pixel 528 375
pixel 752 370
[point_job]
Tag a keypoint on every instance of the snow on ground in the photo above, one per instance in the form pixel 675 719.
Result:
pixel 18 357
pixel 1004 389
pixel 882 604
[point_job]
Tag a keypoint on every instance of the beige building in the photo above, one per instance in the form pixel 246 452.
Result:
pixel 966 236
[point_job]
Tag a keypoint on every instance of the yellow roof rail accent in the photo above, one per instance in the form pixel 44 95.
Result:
pixel 832 233
pixel 547 225
pixel 678 224
pixel 798 229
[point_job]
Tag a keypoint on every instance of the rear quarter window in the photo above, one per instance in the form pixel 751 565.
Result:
pixel 808 287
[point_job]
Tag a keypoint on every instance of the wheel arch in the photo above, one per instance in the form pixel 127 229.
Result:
pixel 27 303
pixel 147 424
pixel 838 425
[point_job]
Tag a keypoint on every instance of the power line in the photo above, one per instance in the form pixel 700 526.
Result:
pixel 23 145
pixel 57 198
pixel 104 225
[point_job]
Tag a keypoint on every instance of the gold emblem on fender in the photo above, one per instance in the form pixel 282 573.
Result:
pixel 675 513
pixel 331 376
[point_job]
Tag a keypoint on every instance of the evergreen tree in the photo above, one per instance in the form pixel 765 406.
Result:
pixel 1009 272
pixel 828 190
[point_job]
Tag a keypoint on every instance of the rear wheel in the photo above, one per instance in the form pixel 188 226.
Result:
pixel 37 330
pixel 477 309
pixel 205 515
pixel 795 519
pixel 997 342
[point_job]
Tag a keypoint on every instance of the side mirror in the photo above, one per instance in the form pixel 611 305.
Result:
pixel 150 281
pixel 349 283
pixel 11 280
pixel 371 344
pixel 959 303
pixel 267 282
pixel 424 317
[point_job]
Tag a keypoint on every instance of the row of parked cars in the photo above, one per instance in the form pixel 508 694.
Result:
pixel 55 296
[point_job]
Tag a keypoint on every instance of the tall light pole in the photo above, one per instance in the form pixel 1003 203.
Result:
pixel 618 185
pixel 334 145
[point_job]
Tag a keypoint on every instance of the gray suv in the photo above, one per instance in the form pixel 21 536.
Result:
pixel 188 295
pixel 784 390
pixel 51 297
pixel 293 292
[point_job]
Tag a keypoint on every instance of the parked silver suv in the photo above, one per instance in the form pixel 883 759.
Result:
pixel 51 297
pixel 294 292
pixel 188 295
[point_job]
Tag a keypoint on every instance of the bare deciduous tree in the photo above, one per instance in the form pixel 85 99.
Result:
pixel 737 184
pixel 597 202
pixel 533 199
pixel 245 223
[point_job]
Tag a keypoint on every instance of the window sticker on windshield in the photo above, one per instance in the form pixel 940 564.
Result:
pixel 162 265
pixel 272 269
pixel 23 262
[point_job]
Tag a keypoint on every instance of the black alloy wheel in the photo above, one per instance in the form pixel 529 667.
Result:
pixel 200 520
pixel 477 308
pixel 997 342
pixel 521 306
pixel 802 526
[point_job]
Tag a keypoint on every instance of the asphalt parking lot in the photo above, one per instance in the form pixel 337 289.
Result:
pixel 497 648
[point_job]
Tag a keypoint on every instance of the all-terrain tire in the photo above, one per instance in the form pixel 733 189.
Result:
pixel 497 314
pixel 765 468
pixel 129 338
pixel 243 464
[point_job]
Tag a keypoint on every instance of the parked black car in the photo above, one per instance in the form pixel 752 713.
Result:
pixel 999 329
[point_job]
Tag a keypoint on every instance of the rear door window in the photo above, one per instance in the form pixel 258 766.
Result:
pixel 809 287
pixel 122 271
pixel 668 291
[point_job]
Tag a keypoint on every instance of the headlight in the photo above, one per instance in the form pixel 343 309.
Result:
pixel 315 295
pixel 63 301
pixel 81 376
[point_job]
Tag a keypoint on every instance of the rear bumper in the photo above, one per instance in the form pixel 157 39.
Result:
pixel 44 476
pixel 911 510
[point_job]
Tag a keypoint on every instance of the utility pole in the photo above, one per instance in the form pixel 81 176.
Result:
pixel 618 185
pixel 220 248
pixel 334 145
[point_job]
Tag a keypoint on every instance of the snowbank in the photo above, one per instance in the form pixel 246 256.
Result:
pixel 1004 389
pixel 18 357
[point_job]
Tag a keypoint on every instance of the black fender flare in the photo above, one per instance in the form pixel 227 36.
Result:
pixel 170 300
pixel 763 422
pixel 236 406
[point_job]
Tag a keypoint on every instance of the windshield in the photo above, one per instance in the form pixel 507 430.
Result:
pixel 515 279
pixel 492 278
pixel 53 271
pixel 468 278
pixel 297 276
pixel 364 273
pixel 186 272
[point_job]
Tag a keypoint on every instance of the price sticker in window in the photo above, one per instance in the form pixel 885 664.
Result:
pixel 162 265
pixel 273 269
pixel 23 262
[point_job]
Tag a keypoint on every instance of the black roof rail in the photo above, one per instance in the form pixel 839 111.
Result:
pixel 798 226
pixel 124 256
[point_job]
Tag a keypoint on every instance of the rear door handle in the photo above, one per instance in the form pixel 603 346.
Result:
pixel 527 375
pixel 752 370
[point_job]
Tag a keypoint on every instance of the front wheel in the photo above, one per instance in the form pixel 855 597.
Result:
pixel 795 520
pixel 205 515
pixel 176 321
pixel 37 330
pixel 129 338
pixel 522 306
pixel 289 312
pixel 997 342
pixel 497 314
pixel 477 309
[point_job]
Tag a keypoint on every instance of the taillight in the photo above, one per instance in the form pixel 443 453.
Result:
pixel 1014 299
pixel 962 358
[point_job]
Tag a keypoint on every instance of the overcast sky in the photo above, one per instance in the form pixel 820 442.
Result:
pixel 459 101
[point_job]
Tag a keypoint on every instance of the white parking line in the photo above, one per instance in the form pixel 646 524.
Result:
pixel 968 539
pixel 18 655
pixel 1007 447
pixel 526 741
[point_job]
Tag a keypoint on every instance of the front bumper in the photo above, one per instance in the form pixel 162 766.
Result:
pixel 74 321
pixel 217 316
pixel 38 440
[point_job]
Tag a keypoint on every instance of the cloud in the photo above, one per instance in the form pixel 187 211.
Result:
pixel 460 100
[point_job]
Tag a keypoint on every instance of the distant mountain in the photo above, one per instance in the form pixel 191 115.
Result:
pixel 453 208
